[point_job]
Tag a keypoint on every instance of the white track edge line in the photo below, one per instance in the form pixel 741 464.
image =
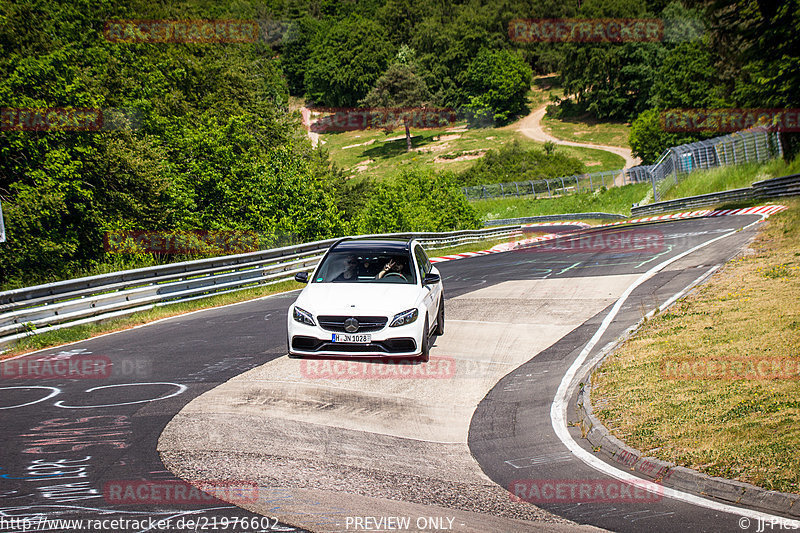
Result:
pixel 558 408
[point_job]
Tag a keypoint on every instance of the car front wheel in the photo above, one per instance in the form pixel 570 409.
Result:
pixel 425 356
pixel 440 319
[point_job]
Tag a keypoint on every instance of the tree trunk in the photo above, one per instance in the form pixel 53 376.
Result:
pixel 408 138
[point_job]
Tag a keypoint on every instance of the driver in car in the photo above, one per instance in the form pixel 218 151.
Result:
pixel 394 265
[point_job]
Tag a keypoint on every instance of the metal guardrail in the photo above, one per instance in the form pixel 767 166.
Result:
pixel 546 188
pixel 33 310
pixel 552 218
pixel 771 188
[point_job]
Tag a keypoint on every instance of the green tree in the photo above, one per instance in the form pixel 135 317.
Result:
pixel 497 84
pixel 399 86
pixel 346 62
pixel 418 200
pixel 296 46
pixel 648 139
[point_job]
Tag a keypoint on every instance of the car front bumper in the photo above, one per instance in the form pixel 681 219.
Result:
pixel 402 341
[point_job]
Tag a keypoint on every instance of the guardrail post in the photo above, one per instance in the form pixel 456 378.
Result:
pixel 563 187
pixel 502 192
pixel 547 182
pixel 483 191
pixel 533 189
pixel 515 185
pixel 591 188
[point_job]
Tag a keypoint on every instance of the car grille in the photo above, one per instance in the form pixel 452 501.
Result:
pixel 365 323
pixel 398 345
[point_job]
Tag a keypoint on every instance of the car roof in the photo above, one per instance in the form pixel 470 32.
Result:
pixel 368 244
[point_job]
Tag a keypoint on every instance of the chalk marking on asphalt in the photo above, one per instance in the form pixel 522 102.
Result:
pixel 53 391
pixel 181 389
pixel 558 409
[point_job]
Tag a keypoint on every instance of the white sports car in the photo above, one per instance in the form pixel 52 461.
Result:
pixel 368 298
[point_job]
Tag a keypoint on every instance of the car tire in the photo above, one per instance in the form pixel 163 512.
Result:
pixel 440 319
pixel 425 356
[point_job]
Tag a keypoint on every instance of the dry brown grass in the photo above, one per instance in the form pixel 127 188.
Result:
pixel 743 429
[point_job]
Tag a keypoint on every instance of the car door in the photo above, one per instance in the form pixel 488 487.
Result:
pixel 431 292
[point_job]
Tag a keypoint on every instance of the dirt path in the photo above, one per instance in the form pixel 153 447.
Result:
pixel 531 127
pixel 306 113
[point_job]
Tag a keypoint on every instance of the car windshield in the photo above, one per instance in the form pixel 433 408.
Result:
pixel 365 267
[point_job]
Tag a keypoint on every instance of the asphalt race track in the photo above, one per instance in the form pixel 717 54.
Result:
pixel 212 397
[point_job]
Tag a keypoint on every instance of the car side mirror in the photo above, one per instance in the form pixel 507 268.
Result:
pixel 301 277
pixel 431 279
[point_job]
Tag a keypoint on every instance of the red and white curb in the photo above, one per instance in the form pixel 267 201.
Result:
pixel 765 210
pixel 503 247
pixel 758 210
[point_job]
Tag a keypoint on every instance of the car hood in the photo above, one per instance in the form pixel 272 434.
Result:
pixel 378 299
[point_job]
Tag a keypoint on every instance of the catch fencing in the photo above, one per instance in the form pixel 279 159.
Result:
pixel 754 145
pixel 545 188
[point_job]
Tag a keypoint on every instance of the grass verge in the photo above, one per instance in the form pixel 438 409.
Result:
pixel 613 200
pixel 744 429
pixel 731 177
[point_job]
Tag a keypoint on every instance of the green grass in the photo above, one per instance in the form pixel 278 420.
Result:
pixel 588 130
pixel 549 86
pixel 378 158
pixel 614 200
pixel 595 160
pixel 730 177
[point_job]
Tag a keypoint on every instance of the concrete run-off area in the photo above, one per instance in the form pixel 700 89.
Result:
pixel 330 449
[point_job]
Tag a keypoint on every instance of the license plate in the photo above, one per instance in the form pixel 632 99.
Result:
pixel 347 337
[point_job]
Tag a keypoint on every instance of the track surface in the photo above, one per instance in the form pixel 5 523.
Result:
pixel 66 439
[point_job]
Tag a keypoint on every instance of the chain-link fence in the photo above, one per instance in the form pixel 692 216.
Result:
pixel 753 145
pixel 546 188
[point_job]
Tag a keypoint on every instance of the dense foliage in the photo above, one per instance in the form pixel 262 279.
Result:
pixel 213 145
pixel 512 162
pixel 418 200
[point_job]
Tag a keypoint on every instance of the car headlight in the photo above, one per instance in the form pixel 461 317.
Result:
pixel 303 316
pixel 406 317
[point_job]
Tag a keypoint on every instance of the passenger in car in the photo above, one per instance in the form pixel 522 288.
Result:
pixel 349 274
